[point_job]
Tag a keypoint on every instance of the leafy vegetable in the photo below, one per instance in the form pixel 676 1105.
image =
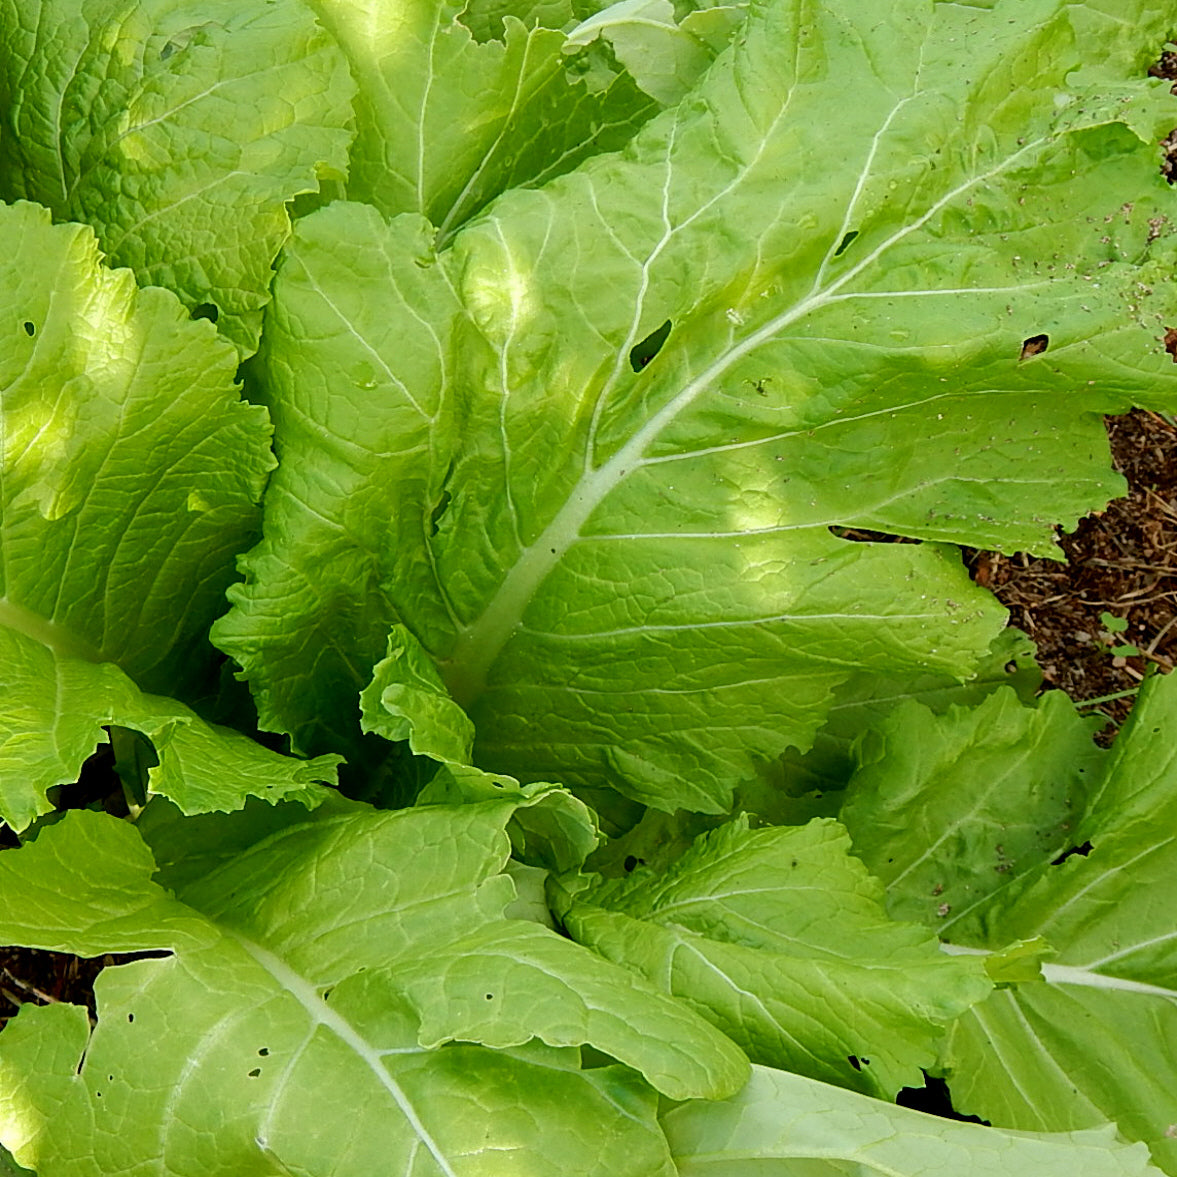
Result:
pixel 779 937
pixel 298 960
pixel 640 552
pixel 589 339
pixel 178 129
pixel 1067 847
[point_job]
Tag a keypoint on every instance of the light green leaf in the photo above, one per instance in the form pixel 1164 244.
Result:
pixel 130 466
pixel 57 707
pixel 621 561
pixel 951 812
pixel 783 1125
pixel 863 700
pixel 178 129
pixel 294 1027
pixel 84 886
pixel 665 57
pixel 446 122
pixel 406 700
pixel 780 938
pixel 1066 1048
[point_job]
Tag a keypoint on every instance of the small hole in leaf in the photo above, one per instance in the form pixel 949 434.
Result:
pixel 130 1017
pixel 206 310
pixel 642 353
pixel 264 1051
pixel 1084 850
pixel 630 862
pixel 490 997
pixel 853 1061
pixel 863 535
pixel 1034 346
pixel 935 1099
pixel 255 1072
pixel 845 243
pixel 30 329
pixel 1170 342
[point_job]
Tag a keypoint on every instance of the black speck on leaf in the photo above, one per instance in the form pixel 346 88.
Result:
pixel 206 310
pixel 30 329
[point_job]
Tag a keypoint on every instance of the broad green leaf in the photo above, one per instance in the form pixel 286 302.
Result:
pixel 446 121
pixel 1087 1036
pixel 783 1125
pixel 616 420
pixel 130 469
pixel 178 129
pixel 304 1021
pixel 780 938
pixel 951 812
pixel 56 710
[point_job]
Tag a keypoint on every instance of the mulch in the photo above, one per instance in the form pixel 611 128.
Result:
pixel 1117 591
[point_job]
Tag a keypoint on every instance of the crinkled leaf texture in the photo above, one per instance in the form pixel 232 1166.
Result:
pixel 178 129
pixel 1066 853
pixel 130 471
pixel 591 453
pixel 780 938
pixel 56 710
pixel 783 1125
pixel 327 1010
pixel 130 468
pixel 446 121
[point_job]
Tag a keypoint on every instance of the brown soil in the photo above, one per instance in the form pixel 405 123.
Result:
pixel 1121 567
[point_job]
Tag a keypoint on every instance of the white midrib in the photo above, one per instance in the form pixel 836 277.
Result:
pixel 479 644
pixel 322 1014
pixel 1065 974
pixel 59 639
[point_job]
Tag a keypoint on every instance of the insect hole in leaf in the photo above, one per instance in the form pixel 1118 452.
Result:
pixel 1034 346
pixel 644 351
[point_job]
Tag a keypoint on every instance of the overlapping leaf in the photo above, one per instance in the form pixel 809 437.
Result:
pixel 1061 846
pixel 615 422
pixel 781 1125
pixel 130 468
pixel 56 712
pixel 177 129
pixel 301 1024
pixel 446 121
pixel 780 938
